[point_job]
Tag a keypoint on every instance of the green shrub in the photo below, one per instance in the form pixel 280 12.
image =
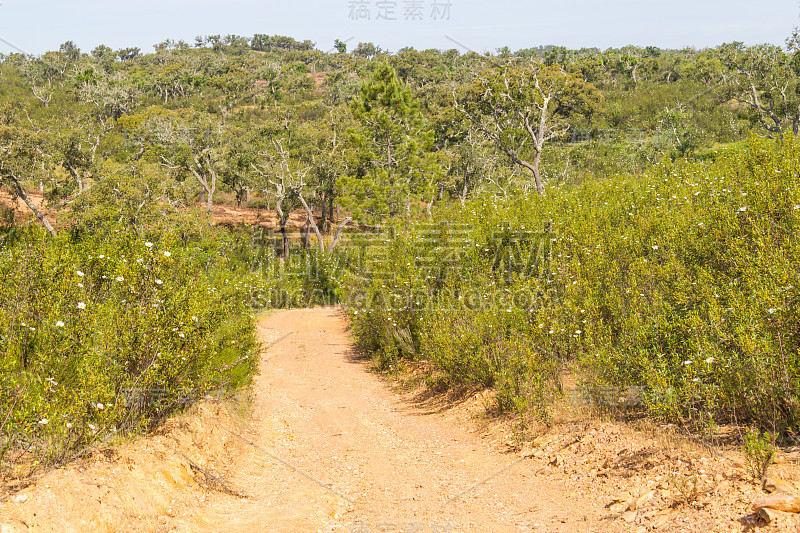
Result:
pixel 680 284
pixel 758 450
pixel 109 335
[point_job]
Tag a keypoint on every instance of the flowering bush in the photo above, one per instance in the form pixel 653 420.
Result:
pixel 108 335
pixel 682 282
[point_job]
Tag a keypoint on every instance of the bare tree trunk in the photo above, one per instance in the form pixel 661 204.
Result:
pixel 306 233
pixel 208 189
pixel 338 236
pixel 310 222
pixel 282 218
pixel 77 178
pixel 534 168
pixel 463 196
pixel 764 111
pixel 284 240
pixel 19 191
pixel 536 175
pixel 211 189
pixel 429 205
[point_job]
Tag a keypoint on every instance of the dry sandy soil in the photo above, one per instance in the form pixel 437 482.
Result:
pixel 326 444
pixel 224 214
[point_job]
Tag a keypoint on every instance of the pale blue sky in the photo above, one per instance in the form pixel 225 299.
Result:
pixel 40 25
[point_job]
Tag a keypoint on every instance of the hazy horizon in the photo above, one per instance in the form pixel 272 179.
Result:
pixel 36 26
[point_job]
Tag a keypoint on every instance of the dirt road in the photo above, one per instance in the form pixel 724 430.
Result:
pixel 337 450
pixel 328 445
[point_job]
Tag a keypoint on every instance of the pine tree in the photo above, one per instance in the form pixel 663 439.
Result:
pixel 393 145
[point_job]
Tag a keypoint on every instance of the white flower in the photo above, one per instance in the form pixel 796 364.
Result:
pixel 710 360
pixel 81 305
pixel 69 425
pixel 148 244
pixel 92 427
pixel 181 335
pixel 101 256
pixel 79 273
pixel 43 422
pixel 52 381
pixel 120 278
pixel 687 362
pixel 80 285
pixel 655 247
pixel 771 310
pixel 578 332
pixel 796 207
pixel 166 253
pixel 695 380
pixel 59 324
pixel 743 209
pixel 194 318
pixel 158 281
pixel 100 406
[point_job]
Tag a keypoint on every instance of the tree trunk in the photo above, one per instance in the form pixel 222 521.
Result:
pixel 284 240
pixel 429 205
pixel 208 189
pixel 310 222
pixel 211 190
pixel 338 234
pixel 534 168
pixel 282 225
pixel 19 191
pixel 306 233
pixel 463 196
pixel 76 175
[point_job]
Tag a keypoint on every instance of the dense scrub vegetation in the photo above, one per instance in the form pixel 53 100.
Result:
pixel 507 218
pixel 676 288
pixel 104 336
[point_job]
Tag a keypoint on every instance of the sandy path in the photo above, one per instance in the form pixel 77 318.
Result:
pixel 378 462
pixel 328 446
